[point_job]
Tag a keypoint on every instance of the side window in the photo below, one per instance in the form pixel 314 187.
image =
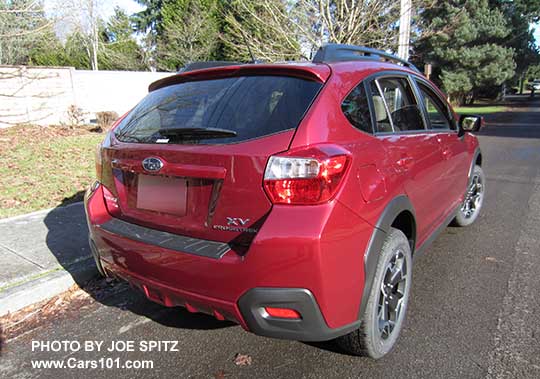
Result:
pixel 356 108
pixel 435 109
pixel 395 106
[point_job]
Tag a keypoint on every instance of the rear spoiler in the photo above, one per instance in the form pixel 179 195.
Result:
pixel 308 71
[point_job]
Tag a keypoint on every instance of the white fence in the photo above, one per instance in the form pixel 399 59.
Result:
pixel 43 95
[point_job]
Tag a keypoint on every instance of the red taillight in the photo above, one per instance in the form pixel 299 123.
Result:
pixel 304 180
pixel 282 312
pixel 111 201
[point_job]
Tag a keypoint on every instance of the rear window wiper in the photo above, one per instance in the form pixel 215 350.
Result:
pixel 197 133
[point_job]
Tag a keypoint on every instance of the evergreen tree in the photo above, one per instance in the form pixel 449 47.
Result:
pixel 519 14
pixel 120 50
pixel 464 45
pixel 149 19
pixel 189 32
pixel 23 24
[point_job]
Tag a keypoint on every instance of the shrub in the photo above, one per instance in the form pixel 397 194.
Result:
pixel 75 116
pixel 106 119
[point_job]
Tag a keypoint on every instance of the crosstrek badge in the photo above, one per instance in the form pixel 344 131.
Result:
pixel 236 224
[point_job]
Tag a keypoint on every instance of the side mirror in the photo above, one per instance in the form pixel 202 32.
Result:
pixel 469 123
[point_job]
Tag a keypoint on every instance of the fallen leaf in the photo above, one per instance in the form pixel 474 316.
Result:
pixel 242 360
pixel 219 375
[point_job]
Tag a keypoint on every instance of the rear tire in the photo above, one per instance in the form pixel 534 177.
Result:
pixel 474 198
pixel 387 302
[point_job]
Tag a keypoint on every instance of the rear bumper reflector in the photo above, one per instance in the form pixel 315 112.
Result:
pixel 189 245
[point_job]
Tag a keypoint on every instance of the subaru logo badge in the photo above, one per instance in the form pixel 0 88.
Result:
pixel 152 164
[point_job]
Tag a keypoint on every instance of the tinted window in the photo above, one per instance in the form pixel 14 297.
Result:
pixel 356 109
pixel 393 100
pixel 251 107
pixel 435 109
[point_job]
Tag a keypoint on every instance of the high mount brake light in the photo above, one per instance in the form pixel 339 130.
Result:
pixel 304 181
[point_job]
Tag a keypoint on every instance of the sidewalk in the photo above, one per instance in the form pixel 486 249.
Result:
pixel 42 254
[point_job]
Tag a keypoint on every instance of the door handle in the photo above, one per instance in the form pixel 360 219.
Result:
pixel 405 163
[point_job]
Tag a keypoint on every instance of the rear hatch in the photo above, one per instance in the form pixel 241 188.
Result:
pixel 190 157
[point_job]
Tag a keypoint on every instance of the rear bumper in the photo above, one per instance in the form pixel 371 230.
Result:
pixel 315 268
pixel 311 327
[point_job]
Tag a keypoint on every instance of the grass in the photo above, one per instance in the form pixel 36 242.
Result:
pixel 481 109
pixel 44 167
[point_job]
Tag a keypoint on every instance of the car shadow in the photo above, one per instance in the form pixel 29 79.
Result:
pixel 511 125
pixel 67 239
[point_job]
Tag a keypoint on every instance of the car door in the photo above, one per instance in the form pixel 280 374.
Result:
pixel 414 151
pixel 453 148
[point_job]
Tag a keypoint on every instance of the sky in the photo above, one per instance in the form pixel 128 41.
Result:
pixel 129 6
pixel 106 6
pixel 537 33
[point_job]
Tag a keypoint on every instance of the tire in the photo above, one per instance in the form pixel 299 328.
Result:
pixel 474 199
pixel 370 340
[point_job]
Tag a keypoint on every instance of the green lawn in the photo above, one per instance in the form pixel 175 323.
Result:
pixel 44 167
pixel 481 109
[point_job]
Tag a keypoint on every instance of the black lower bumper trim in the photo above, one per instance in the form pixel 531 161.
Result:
pixel 311 327
pixel 189 245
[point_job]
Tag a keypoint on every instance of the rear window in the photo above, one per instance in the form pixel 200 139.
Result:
pixel 245 107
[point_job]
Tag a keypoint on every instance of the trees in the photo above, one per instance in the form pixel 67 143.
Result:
pixel 84 20
pixel 265 27
pixel 119 49
pixel 475 45
pixel 472 44
pixel 179 31
pixel 519 14
pixel 287 29
pixel 462 46
pixel 149 19
pixel 189 32
pixel 22 25
pixel 115 48
pixel 183 30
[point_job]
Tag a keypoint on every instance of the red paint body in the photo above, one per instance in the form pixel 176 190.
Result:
pixel 316 247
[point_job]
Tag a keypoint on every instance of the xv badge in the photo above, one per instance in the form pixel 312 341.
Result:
pixel 237 221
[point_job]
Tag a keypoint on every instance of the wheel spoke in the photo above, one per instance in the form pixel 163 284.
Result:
pixel 473 197
pixel 397 276
pixel 392 293
pixel 383 312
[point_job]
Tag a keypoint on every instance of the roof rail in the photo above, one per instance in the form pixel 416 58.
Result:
pixel 334 52
pixel 210 64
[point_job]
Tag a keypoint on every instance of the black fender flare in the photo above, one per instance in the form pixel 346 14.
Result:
pixel 476 154
pixel 371 256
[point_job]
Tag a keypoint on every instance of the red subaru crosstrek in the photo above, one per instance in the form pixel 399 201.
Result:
pixel 290 198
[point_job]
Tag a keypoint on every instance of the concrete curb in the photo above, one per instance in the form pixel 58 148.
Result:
pixel 44 287
pixel 36 213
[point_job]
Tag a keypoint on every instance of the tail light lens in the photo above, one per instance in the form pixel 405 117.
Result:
pixel 304 181
pixel 111 202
